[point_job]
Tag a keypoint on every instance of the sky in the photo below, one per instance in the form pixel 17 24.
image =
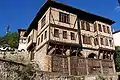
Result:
pixel 20 13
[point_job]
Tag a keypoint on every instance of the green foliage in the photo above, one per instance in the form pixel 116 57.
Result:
pixel 117 58
pixel 2 40
pixel 11 38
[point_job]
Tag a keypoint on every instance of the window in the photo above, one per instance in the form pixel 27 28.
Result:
pixel 63 17
pixel 82 25
pixel 104 28
pixel 101 40
pixel 65 34
pixel 43 22
pixel 106 41
pixel 99 26
pixel 89 40
pixel 72 36
pixel 87 26
pixel 24 41
pixel 56 33
pixel 86 40
pixel 96 41
pixel 42 38
pixel 38 41
pixel 95 27
pixel 108 29
pixel 45 36
pixel 110 41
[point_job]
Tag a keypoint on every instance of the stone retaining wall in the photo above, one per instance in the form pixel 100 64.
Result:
pixel 10 70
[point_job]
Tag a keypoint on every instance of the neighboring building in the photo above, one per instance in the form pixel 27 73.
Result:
pixel 22 40
pixel 116 37
pixel 71 41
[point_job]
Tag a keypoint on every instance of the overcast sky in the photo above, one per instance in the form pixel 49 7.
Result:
pixel 20 13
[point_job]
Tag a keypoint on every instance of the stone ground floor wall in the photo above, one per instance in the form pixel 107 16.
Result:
pixel 59 76
pixel 10 70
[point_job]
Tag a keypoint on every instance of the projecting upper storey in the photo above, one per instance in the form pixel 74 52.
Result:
pixel 80 14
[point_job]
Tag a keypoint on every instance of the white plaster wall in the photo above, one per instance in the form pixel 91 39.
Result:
pixel 116 38
pixel 61 39
pixel 33 35
pixel 46 24
pixel 44 40
pixel 22 43
pixel 89 34
pixel 54 18
pixel 103 33
pixel 22 46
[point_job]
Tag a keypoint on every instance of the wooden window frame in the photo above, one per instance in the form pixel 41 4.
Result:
pixel 84 39
pixel 63 17
pixel 56 33
pixel 83 25
pixel 38 40
pixel 45 35
pixel 95 27
pixel 72 35
pixel 87 26
pixel 100 27
pixel 104 28
pixel 87 40
pixel 108 29
pixel 42 38
pixel 65 34
pixel 101 41
pixel 111 43
pixel 106 42
pixel 96 41
pixel 43 21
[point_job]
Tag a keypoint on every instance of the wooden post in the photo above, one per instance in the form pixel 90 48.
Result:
pixel 69 63
pixel 55 50
pixel 101 67
pixel 77 51
pixel 79 32
pixel 63 50
pixel 87 66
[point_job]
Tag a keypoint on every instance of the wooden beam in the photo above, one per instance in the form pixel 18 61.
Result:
pixel 79 32
pixel 77 52
pixel 63 50
pixel 55 50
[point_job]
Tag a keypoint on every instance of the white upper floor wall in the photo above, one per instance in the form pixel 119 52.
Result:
pixel 116 37
pixel 64 25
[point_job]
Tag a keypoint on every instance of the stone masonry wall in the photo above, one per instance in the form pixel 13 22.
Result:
pixel 10 70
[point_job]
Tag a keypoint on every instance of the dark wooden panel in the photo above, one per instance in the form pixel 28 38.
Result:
pixel 94 66
pixel 59 64
pixel 107 66
pixel 78 66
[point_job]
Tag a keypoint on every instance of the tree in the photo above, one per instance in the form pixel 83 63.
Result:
pixel 117 58
pixel 11 38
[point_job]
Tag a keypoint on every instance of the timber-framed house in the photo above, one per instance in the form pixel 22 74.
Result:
pixel 65 39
